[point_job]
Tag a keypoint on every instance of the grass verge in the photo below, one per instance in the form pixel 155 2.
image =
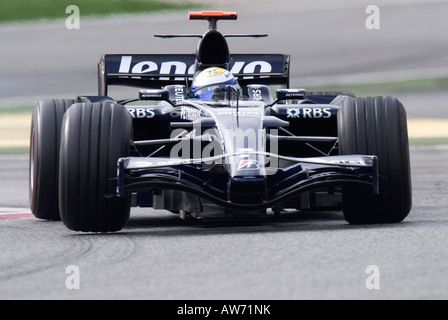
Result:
pixel 14 150
pixel 387 87
pixel 24 10
pixel 419 141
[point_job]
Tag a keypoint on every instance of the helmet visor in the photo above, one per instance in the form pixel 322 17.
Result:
pixel 206 93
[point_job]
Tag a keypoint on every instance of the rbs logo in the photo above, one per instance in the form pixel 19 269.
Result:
pixel 141 112
pixel 310 113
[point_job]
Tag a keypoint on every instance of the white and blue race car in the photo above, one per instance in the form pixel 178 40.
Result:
pixel 214 134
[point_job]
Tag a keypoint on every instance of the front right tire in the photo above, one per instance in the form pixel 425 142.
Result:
pixel 94 136
pixel 45 132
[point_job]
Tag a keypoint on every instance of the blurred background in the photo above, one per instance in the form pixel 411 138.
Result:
pixel 330 43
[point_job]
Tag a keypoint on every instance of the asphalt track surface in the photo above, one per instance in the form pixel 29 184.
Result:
pixel 300 256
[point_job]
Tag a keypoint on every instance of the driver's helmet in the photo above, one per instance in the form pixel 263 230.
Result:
pixel 210 79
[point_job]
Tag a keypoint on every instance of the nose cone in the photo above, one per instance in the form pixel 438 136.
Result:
pixel 248 189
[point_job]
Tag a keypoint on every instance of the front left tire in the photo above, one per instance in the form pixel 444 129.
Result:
pixel 377 126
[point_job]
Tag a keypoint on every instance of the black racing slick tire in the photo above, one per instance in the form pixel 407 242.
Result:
pixel 43 166
pixel 94 136
pixel 377 126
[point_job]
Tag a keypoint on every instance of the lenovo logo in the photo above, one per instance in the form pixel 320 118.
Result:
pixel 138 65
pixel 127 65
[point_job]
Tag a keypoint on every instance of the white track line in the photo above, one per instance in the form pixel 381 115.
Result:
pixel 11 212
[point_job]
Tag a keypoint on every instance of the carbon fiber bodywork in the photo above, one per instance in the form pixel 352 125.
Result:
pixel 238 158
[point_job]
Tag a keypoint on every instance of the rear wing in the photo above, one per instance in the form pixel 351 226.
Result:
pixel 153 71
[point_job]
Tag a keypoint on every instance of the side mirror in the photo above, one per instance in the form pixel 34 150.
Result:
pixel 154 94
pixel 290 94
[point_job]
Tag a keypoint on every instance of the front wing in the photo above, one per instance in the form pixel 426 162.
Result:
pixel 212 182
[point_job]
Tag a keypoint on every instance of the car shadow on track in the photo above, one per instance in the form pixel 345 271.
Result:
pixel 171 225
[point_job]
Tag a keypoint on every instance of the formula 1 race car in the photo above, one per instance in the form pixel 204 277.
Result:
pixel 215 134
